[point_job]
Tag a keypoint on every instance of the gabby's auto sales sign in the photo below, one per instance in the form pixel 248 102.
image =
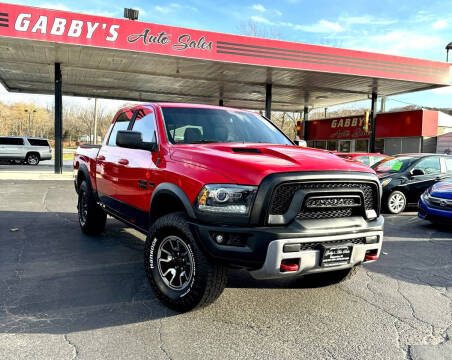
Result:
pixel 79 29
pixel 339 128
pixel 63 27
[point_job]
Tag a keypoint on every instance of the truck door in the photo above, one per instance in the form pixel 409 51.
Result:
pixel 108 166
pixel 138 175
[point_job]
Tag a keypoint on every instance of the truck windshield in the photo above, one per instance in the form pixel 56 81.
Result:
pixel 194 126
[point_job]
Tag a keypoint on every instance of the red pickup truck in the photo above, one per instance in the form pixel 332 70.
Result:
pixel 215 187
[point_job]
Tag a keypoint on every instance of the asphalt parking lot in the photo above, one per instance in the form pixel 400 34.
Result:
pixel 64 295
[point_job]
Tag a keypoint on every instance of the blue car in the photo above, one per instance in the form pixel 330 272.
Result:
pixel 435 203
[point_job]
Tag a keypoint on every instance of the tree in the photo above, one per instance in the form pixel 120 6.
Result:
pixel 251 28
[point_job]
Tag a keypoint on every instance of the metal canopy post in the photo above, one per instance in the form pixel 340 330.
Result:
pixel 373 116
pixel 305 122
pixel 58 120
pixel 268 101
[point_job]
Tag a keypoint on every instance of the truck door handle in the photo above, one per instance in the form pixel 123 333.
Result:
pixel 123 161
pixel 101 158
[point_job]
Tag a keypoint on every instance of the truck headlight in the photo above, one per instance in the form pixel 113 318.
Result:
pixel 226 199
pixel 386 182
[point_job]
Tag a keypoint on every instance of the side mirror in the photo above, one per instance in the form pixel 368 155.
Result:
pixel 133 140
pixel 417 172
pixel 302 143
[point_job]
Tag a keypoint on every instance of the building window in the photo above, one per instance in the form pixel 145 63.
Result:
pixel 362 145
pixel 332 145
pixel 380 146
pixel 345 146
pixel 319 144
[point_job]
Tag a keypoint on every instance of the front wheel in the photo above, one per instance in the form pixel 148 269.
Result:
pixel 396 202
pixel 32 159
pixel 182 277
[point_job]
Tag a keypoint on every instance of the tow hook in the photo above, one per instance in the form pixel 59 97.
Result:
pixel 288 265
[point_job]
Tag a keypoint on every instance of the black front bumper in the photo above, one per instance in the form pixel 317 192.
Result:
pixel 249 248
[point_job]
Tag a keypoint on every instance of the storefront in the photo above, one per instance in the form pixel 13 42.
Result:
pixel 396 132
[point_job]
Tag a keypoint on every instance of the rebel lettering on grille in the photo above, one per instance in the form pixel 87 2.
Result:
pixel 332 202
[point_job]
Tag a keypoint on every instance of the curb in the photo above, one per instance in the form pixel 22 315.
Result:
pixel 30 175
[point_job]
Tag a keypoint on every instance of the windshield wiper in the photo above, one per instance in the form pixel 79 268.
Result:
pixel 203 141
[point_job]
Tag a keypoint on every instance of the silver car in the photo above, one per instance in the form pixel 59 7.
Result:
pixel 24 149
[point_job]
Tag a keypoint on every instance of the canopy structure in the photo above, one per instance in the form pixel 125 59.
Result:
pixel 131 60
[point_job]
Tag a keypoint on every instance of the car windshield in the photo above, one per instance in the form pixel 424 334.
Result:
pixel 393 164
pixel 195 126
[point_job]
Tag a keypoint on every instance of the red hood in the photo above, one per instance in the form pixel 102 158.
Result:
pixel 251 168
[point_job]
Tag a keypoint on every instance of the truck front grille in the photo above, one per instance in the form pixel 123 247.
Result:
pixel 341 207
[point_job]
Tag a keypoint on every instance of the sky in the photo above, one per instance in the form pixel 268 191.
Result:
pixel 411 28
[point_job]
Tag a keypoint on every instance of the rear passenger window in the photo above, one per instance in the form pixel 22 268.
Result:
pixel 448 165
pixel 38 142
pixel 430 165
pixel 146 126
pixel 12 141
pixel 121 123
pixel 3 141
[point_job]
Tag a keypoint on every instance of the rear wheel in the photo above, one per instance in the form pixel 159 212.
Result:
pixel 91 217
pixel 396 202
pixel 182 277
pixel 32 159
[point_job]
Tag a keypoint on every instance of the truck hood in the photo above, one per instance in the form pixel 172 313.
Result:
pixel 442 189
pixel 250 163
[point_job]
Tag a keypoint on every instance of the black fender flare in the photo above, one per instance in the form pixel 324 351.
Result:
pixel 176 191
pixel 83 169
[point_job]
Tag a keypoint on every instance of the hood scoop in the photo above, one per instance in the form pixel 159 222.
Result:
pixel 246 151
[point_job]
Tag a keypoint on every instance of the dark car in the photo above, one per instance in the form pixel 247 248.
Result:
pixel 435 203
pixel 405 177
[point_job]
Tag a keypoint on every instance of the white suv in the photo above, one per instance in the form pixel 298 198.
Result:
pixel 24 149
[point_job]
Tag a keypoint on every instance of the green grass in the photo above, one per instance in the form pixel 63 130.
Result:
pixel 65 156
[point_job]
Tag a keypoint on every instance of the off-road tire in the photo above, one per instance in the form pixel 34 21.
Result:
pixel 32 159
pixel 392 207
pixel 329 278
pixel 91 217
pixel 207 280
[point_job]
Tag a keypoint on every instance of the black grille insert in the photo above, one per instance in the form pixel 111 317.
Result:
pixel 318 244
pixel 283 194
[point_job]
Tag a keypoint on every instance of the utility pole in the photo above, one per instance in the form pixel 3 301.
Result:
pixel 29 120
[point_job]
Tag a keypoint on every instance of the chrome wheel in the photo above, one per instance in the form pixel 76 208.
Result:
pixel 396 203
pixel 32 159
pixel 175 262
